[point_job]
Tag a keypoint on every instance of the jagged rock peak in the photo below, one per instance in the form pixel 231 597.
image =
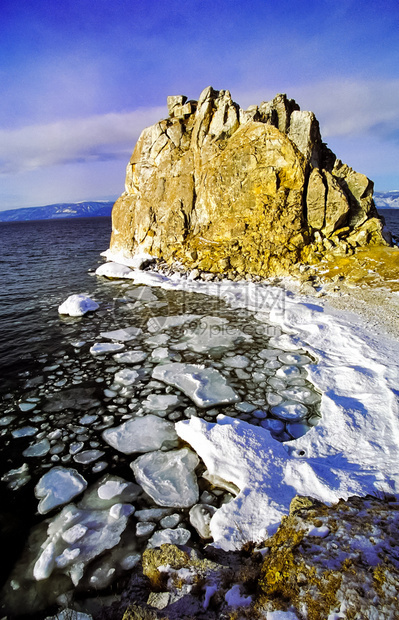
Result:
pixel 223 189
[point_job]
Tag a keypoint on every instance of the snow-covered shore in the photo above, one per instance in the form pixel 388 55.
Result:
pixel 354 450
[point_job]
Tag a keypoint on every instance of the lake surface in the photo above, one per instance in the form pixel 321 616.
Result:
pixel 41 263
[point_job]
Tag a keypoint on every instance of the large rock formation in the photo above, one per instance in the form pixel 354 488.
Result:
pixel 256 191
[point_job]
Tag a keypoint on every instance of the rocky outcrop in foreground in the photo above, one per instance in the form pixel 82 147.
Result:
pixel 225 190
pixel 323 562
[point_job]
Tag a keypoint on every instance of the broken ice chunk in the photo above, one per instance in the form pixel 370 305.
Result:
pixel 25 431
pixel 236 361
pixel 290 410
pixel 66 551
pixel 213 332
pixel 205 386
pixel 159 323
pixel 88 456
pixel 179 536
pixel 57 487
pixel 289 372
pixel 126 377
pixel 26 406
pixel 37 449
pixel 294 359
pixel 141 434
pixel 78 305
pixel 142 293
pixel 122 335
pixel 16 478
pixel 200 518
pixel 168 477
pixel 300 393
pixel 109 490
pixel 103 348
pixel 130 357
pixel 164 403
pixel 144 528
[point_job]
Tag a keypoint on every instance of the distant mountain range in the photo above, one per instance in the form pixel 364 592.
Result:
pixel 386 200
pixel 59 211
pixel 383 200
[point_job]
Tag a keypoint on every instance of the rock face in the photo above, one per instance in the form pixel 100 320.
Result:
pixel 222 189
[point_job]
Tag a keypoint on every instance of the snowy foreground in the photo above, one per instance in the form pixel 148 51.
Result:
pixel 353 450
pixel 309 401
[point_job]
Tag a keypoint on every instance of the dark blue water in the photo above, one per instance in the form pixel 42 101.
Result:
pixel 41 263
pixel 391 217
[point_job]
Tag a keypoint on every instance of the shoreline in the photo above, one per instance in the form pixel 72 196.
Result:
pixel 353 451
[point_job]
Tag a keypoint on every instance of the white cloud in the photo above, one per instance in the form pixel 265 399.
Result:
pixel 94 138
pixel 343 107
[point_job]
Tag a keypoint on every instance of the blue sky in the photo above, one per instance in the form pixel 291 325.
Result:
pixel 80 79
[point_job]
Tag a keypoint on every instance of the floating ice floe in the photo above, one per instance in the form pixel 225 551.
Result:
pixel 142 293
pixel 301 394
pixel 205 386
pixel 200 518
pixel 159 323
pixel 24 431
pixel 178 536
pixel 76 537
pixel 164 403
pixel 57 487
pixel 168 477
pixel 290 410
pixel 114 270
pixel 7 419
pixel 78 305
pixel 26 406
pixel 211 332
pixel 41 448
pixel 17 478
pixel 104 348
pixel 126 377
pixel 122 335
pixel 236 361
pixel 88 456
pixel 145 434
pixel 107 491
pixel 130 357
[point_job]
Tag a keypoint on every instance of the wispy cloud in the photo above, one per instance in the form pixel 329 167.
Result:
pixel 346 107
pixel 95 138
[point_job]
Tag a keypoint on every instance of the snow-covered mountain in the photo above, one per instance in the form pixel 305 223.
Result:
pixel 387 200
pixel 58 211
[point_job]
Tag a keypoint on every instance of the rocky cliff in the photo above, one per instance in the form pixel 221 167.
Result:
pixel 235 191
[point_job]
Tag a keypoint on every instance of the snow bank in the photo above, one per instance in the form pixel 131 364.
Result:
pixel 354 450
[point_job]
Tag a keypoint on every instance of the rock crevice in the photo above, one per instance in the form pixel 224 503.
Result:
pixel 255 191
